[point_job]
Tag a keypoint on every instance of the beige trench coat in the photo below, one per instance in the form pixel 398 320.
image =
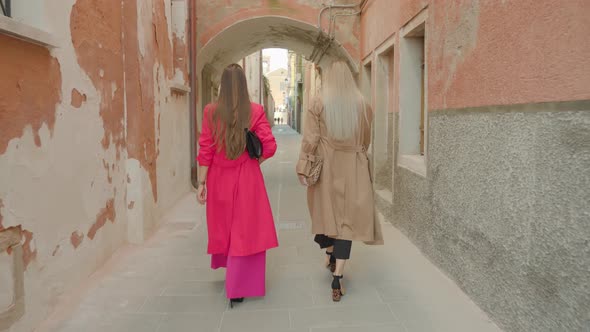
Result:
pixel 341 203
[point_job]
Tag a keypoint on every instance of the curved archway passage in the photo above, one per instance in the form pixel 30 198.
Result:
pixel 245 37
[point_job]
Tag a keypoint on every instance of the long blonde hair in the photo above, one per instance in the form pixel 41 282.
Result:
pixel 343 101
pixel 232 113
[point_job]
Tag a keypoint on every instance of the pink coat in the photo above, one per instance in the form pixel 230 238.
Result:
pixel 239 217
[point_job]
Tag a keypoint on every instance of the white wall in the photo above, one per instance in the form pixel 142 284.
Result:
pixel 253 64
pixel 30 12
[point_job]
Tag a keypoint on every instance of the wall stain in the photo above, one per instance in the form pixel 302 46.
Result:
pixel 28 254
pixel 106 213
pixel 55 251
pixel 456 37
pixel 11 231
pixel 105 164
pixel 76 239
pixel 78 98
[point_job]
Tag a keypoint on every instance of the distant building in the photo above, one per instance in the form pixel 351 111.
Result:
pixel 265 64
pixel 295 89
pixel 252 65
pixel 259 92
pixel 278 85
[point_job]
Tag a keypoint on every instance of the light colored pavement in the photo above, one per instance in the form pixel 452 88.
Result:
pixel 166 284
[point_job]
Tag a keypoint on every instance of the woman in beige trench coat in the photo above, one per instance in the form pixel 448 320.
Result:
pixel 337 130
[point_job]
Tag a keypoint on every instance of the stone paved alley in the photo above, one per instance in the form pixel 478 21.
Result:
pixel 166 285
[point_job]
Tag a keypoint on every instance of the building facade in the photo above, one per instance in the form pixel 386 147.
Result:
pixel 258 87
pixel 94 140
pixel 480 147
pixel 252 65
pixel 278 85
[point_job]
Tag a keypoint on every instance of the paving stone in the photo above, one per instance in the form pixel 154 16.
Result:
pixel 166 283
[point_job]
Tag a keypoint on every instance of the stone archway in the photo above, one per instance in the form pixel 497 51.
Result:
pixel 247 36
pixel 241 38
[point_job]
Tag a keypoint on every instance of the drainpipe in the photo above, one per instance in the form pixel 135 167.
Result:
pixel 332 28
pixel 192 37
pixel 319 53
pixel 360 4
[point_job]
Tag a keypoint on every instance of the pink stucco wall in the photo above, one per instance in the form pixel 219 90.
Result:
pixel 492 52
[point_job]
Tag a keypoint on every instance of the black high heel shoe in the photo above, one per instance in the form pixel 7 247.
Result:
pixel 332 263
pixel 236 300
pixel 337 289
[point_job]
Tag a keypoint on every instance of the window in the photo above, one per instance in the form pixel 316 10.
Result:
pixel 384 111
pixel 6 8
pixel 367 90
pixel 25 19
pixel 413 96
pixel 29 12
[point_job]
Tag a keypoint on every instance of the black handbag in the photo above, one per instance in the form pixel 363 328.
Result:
pixel 253 144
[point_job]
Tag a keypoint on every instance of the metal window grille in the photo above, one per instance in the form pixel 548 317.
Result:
pixel 5 5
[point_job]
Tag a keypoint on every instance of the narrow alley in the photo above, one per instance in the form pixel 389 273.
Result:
pixel 479 154
pixel 166 283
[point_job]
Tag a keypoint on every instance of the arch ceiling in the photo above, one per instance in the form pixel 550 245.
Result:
pixel 248 36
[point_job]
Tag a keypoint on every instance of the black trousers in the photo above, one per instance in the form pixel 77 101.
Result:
pixel 341 247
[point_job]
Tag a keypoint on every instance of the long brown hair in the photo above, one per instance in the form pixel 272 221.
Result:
pixel 233 112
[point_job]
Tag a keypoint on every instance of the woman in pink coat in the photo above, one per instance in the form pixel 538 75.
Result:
pixel 240 223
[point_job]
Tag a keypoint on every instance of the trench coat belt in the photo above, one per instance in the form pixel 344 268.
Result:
pixel 346 148
pixel 342 202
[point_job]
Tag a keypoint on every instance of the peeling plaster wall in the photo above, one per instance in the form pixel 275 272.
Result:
pixel 157 119
pixel 503 205
pixel 172 109
pixel 99 142
pixel 69 180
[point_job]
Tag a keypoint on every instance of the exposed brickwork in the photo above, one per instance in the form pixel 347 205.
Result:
pixel 140 83
pixel 106 213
